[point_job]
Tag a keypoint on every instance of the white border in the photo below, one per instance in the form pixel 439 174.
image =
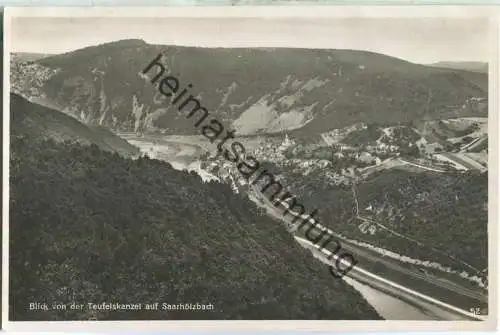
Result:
pixel 271 13
pixel 5 170
pixel 339 11
pixel 493 168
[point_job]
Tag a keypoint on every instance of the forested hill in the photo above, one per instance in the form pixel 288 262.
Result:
pixel 88 225
pixel 31 118
pixel 444 211
pixel 253 90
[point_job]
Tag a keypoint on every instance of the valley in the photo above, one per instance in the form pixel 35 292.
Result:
pixel 450 288
pixel 394 155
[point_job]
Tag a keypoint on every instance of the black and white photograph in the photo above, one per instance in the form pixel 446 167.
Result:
pixel 247 168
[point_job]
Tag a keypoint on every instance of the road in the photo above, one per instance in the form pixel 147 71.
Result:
pixel 434 308
pixel 446 285
pixel 473 144
pixel 464 161
pixel 421 166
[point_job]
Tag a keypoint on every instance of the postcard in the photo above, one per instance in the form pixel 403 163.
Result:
pixel 250 168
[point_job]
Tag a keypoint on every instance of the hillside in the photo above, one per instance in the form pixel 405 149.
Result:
pixel 30 118
pixel 87 225
pixel 386 203
pixel 253 90
pixel 444 211
pixel 27 56
pixel 481 67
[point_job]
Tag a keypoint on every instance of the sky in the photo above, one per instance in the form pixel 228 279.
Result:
pixel 419 40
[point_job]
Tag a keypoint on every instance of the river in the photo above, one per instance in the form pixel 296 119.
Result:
pixel 389 307
pixel 183 153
